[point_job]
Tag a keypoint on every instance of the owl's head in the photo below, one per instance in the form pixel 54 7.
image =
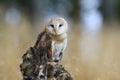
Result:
pixel 56 26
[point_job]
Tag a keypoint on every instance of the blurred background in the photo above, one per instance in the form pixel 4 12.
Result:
pixel 93 51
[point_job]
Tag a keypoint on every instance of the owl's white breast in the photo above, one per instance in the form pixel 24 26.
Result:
pixel 57 48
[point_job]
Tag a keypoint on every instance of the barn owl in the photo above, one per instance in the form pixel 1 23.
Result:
pixel 53 39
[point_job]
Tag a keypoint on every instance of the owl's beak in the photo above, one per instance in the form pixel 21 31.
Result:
pixel 55 31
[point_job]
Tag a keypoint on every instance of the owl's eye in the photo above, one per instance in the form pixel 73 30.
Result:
pixel 60 25
pixel 52 25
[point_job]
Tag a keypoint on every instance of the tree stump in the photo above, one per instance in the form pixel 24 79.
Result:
pixel 35 67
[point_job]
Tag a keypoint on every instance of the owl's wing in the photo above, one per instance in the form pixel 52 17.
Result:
pixel 44 42
pixel 39 38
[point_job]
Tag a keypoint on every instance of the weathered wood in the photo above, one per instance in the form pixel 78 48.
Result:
pixel 35 67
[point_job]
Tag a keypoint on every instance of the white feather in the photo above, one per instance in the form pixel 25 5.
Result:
pixel 57 48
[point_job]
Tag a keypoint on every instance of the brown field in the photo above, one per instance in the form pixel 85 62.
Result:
pixel 89 56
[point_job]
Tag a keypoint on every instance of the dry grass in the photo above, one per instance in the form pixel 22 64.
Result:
pixel 88 56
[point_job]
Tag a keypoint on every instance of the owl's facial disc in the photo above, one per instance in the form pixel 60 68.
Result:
pixel 57 26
